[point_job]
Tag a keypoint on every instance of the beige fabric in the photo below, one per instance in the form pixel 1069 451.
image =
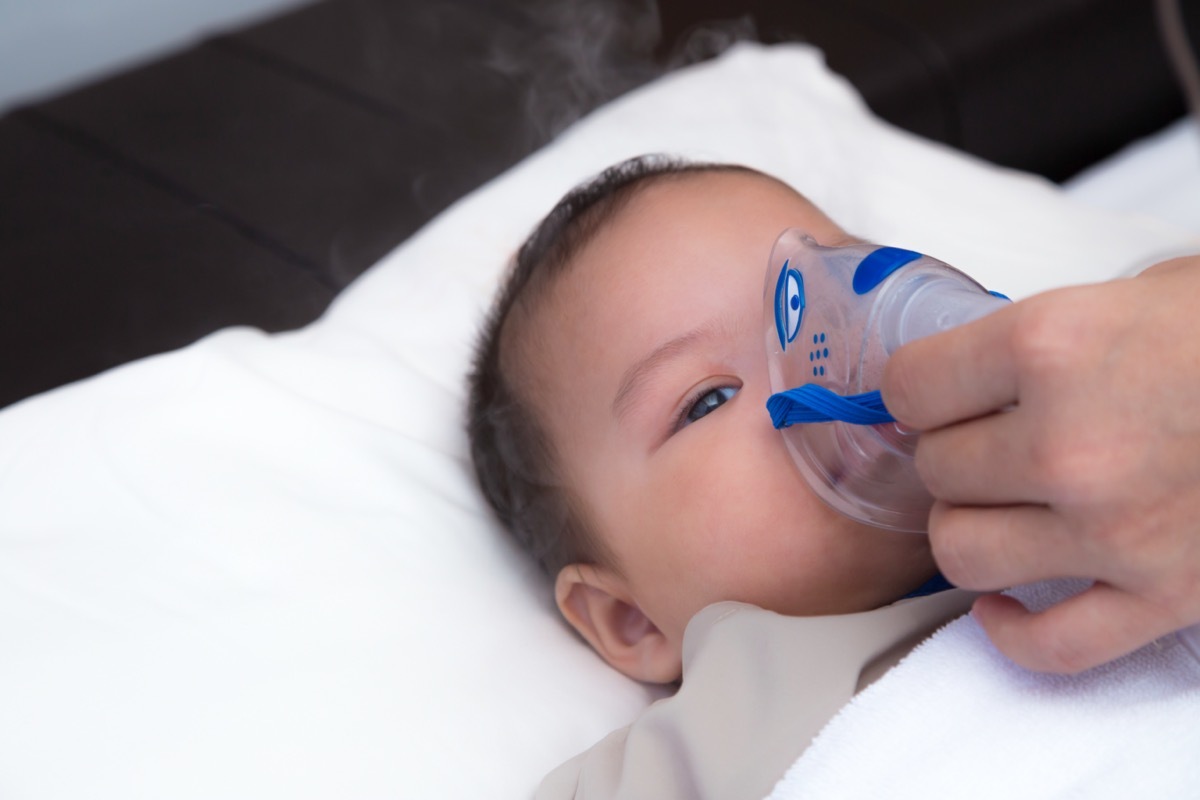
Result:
pixel 757 687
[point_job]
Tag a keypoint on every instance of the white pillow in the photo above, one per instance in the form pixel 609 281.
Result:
pixel 1158 175
pixel 259 567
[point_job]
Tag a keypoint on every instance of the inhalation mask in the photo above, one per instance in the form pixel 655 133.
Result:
pixel 833 317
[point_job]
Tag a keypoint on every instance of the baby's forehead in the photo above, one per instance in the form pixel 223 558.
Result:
pixel 701 206
pixel 689 202
pixel 661 210
pixel 662 229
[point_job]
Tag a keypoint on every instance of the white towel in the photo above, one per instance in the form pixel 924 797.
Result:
pixel 957 719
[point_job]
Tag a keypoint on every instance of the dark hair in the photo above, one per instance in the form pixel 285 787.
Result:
pixel 515 461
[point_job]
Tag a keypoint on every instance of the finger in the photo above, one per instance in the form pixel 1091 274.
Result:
pixel 960 374
pixel 1092 628
pixel 986 549
pixel 986 461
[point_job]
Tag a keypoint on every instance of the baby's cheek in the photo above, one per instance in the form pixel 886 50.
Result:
pixel 743 510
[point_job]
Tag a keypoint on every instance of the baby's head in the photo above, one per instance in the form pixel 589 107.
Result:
pixel 618 422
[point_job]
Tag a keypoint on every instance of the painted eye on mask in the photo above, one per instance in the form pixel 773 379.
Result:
pixel 789 304
pixel 710 401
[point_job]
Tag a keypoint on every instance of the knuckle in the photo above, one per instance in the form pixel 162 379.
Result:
pixel 1051 461
pixel 1034 341
pixel 1074 468
pixel 937 462
pixel 926 462
pixel 1050 332
pixel 951 550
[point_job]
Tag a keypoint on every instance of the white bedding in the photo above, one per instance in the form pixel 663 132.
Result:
pixel 957 719
pixel 258 567
pixel 1158 177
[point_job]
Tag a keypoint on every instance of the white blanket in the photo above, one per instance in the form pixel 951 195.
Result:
pixel 958 719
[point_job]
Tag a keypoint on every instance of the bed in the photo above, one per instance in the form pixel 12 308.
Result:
pixel 258 566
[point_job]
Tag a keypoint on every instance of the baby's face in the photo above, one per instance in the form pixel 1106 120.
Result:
pixel 651 377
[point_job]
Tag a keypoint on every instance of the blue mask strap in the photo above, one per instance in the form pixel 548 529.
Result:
pixel 937 583
pixel 813 403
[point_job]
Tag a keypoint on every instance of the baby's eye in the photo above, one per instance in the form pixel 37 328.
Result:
pixel 709 402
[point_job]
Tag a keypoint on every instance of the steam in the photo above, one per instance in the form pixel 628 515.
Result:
pixel 710 39
pixel 570 56
pixel 521 72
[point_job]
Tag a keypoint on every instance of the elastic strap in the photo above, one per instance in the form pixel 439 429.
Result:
pixel 813 403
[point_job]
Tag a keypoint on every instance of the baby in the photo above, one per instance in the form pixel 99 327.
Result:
pixel 618 427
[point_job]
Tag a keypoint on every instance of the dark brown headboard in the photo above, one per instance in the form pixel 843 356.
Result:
pixel 1040 85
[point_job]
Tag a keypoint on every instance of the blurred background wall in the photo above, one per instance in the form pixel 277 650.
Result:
pixel 50 45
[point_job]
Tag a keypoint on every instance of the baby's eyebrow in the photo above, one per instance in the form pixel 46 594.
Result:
pixel 636 377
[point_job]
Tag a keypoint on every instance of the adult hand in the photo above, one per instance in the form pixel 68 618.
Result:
pixel 1061 438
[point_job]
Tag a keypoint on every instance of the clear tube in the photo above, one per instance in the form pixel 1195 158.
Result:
pixel 915 306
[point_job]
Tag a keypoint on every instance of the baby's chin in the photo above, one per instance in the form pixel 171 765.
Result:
pixel 891 564
pixel 911 558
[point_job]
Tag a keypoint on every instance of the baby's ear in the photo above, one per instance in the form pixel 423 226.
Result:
pixel 595 601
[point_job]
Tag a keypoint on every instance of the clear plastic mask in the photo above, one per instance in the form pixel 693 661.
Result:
pixel 833 317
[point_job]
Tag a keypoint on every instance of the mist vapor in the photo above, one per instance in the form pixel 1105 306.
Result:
pixel 570 56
